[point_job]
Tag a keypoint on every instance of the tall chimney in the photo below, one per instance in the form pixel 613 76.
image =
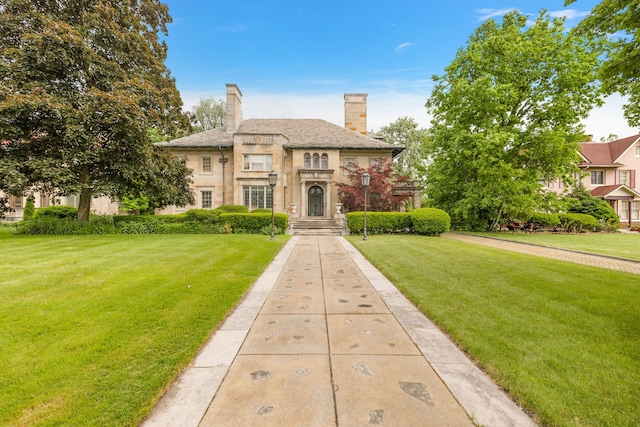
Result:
pixel 234 108
pixel 355 112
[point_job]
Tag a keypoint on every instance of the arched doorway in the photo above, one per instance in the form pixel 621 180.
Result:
pixel 316 201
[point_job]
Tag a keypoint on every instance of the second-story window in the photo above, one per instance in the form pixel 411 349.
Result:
pixel 325 161
pixel 258 162
pixel 597 177
pixel 307 161
pixel 205 164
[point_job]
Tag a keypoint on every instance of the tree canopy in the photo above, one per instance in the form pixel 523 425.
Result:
pixel 405 133
pixel 380 197
pixel 618 21
pixel 83 82
pixel 506 115
pixel 210 113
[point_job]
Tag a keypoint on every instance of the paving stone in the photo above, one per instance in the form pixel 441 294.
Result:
pixel 359 283
pixel 368 334
pixel 392 391
pixel 354 302
pixel 287 334
pixel 294 303
pixel 293 390
pixel 303 284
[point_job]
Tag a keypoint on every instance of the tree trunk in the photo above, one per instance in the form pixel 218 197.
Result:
pixel 84 205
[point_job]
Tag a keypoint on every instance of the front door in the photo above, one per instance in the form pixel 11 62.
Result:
pixel 316 201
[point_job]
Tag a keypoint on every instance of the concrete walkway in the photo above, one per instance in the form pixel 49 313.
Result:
pixel 324 339
pixel 601 261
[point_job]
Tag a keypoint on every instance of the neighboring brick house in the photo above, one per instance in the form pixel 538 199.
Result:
pixel 609 172
pixel 231 164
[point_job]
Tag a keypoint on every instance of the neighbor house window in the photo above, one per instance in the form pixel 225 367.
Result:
pixel 635 211
pixel 597 177
pixel 258 162
pixel 638 151
pixel 257 197
pixel 325 161
pixel 625 177
pixel 205 164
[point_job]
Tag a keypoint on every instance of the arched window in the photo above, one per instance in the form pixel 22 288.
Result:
pixel 325 161
pixel 307 160
pixel 316 161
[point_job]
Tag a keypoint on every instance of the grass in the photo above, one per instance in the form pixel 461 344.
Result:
pixel 94 328
pixel 563 339
pixel 612 244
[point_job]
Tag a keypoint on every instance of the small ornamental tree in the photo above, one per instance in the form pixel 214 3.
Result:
pixel 380 196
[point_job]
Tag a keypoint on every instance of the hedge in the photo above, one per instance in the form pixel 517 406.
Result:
pixel 57 212
pixel 578 223
pixel 427 221
pixel 253 223
pixel 430 221
pixel 542 220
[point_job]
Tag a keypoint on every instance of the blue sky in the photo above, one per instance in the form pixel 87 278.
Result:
pixel 297 58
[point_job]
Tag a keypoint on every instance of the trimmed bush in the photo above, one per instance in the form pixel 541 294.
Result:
pixel 97 224
pixel 544 220
pixel 29 210
pixel 261 210
pixel 203 216
pixel 57 212
pixel 252 223
pixel 379 222
pixel 577 223
pixel 430 221
pixel 233 209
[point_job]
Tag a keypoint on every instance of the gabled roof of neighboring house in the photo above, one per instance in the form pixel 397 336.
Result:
pixel 605 191
pixel 299 133
pixel 606 153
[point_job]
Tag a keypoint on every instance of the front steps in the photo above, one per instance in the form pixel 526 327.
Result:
pixel 316 227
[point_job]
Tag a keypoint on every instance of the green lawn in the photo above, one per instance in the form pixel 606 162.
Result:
pixel 562 338
pixel 612 244
pixel 94 328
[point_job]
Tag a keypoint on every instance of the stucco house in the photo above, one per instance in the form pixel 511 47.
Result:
pixel 609 172
pixel 231 164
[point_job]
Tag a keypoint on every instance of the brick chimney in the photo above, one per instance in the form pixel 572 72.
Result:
pixel 234 108
pixel 355 112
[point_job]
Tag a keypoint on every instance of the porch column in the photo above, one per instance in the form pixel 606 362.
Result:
pixel 327 211
pixel 303 199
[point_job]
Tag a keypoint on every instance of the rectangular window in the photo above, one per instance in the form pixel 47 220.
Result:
pixel 597 177
pixel 635 211
pixel 638 151
pixel 15 201
pixel 206 199
pixel 257 197
pixel 258 162
pixel 44 200
pixel 205 164
pixel 625 177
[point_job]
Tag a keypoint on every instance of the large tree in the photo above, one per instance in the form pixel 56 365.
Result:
pixel 405 133
pixel 618 21
pixel 506 115
pixel 210 113
pixel 83 81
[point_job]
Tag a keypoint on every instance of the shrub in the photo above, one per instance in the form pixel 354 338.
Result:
pixel 29 211
pixel 379 222
pixel 233 209
pixel 430 221
pixel 544 220
pixel 577 223
pixel 145 224
pixel 203 216
pixel 67 226
pixel 261 210
pixel 252 223
pixel 57 212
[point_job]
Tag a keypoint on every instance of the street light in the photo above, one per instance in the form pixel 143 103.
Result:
pixel 273 178
pixel 366 178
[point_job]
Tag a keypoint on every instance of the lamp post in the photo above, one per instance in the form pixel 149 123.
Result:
pixel 273 178
pixel 366 179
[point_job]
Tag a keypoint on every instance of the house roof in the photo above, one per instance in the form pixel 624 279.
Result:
pixel 299 133
pixel 606 191
pixel 208 139
pixel 606 153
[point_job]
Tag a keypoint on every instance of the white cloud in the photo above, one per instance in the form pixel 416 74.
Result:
pixel 568 13
pixel 492 13
pixel 403 46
